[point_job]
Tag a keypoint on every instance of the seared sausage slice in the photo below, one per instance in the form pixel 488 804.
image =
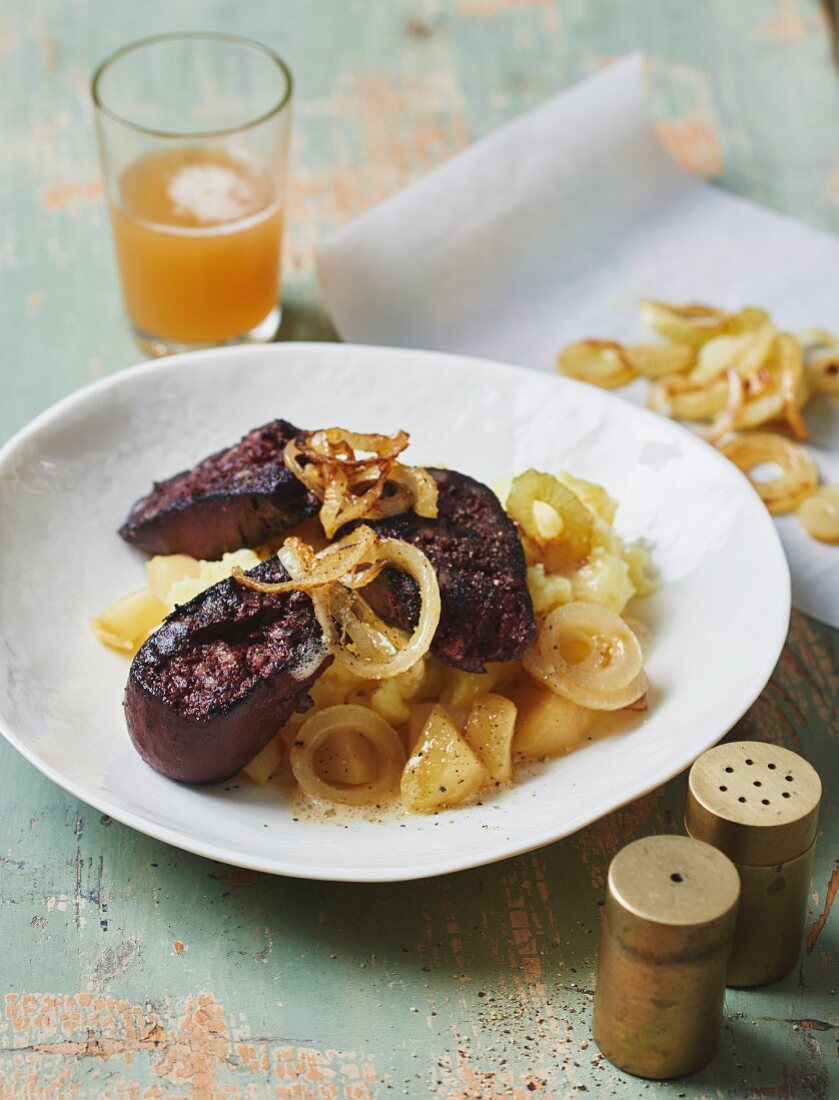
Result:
pixel 237 497
pixel 216 681
pixel 487 613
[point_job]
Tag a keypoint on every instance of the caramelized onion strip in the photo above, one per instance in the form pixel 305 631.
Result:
pixel 421 487
pixel 357 476
pixel 676 395
pixel 358 639
pixel 600 362
pixel 794 389
pixel 309 570
pixel 331 445
pixel 724 423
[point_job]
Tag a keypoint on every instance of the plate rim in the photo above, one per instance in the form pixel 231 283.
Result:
pixel 443 865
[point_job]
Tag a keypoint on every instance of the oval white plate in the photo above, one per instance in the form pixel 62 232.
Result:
pixel 67 481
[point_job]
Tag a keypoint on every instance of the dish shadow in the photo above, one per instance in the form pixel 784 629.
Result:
pixel 762 1053
pixel 305 320
pixel 531 918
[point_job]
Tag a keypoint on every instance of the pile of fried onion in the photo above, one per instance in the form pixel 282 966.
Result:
pixel 739 373
pixel 358 476
pixel 334 579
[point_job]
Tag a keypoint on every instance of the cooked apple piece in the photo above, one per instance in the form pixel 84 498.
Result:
pixel 443 769
pixel 489 730
pixel 546 724
pixel 126 623
pixel 267 761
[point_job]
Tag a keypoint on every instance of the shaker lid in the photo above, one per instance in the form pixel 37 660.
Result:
pixel 672 896
pixel 758 803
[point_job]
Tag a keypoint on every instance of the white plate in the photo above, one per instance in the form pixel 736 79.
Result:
pixel 67 481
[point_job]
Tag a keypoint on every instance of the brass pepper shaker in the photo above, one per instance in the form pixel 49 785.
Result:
pixel 669 916
pixel 760 805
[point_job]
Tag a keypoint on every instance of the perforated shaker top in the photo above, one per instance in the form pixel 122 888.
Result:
pixel 758 803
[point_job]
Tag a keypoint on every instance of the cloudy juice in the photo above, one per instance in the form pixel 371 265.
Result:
pixel 198 235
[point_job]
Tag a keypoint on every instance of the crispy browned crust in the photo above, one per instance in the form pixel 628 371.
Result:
pixel 240 496
pixel 487 613
pixel 218 679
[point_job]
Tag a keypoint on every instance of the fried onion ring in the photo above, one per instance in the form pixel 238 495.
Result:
pixel 543 673
pixel 572 545
pixel 358 639
pixel 692 324
pixel 676 395
pixel 819 514
pixel 600 362
pixel 799 474
pixel 823 373
pixel 313 736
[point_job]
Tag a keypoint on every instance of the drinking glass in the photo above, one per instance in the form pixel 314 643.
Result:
pixel 193 134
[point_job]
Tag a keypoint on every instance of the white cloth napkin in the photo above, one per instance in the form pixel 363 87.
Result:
pixel 549 230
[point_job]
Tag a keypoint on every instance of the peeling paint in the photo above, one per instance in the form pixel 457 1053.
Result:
pixel 185 1047
pixel 61 195
pixel 115 960
pixel 832 185
pixel 491 9
pixel 787 25
pixel 819 923
pixel 599 842
pixel 694 143
pixel 265 954
pixel 404 130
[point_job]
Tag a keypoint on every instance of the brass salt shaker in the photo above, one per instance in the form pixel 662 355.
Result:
pixel 667 924
pixel 759 804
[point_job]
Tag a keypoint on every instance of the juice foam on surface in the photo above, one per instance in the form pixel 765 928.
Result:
pixel 197 237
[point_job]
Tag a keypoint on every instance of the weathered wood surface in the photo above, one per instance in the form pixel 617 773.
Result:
pixel 133 970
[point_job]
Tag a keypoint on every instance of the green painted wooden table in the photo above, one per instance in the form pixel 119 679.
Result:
pixel 131 969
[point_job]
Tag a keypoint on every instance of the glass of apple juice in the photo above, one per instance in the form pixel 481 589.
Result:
pixel 193 136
